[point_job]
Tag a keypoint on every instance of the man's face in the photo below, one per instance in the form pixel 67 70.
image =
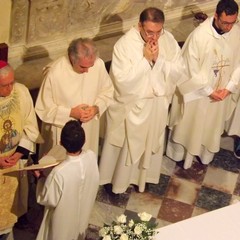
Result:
pixel 150 31
pixel 82 65
pixel 6 84
pixel 225 22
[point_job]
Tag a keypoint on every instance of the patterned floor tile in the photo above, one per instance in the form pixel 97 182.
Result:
pixel 225 159
pixel 227 142
pixel 220 179
pixel 139 202
pixel 183 190
pixel 160 188
pixel 174 211
pixel 103 213
pixel 180 194
pixel 119 200
pixel 198 211
pixel 195 174
pixel 162 223
pixel 92 232
pixel 168 166
pixel 211 199
pixel 235 199
pixel 237 187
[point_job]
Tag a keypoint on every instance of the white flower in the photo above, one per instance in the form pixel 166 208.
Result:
pixel 124 237
pixel 117 229
pixel 131 223
pixel 107 237
pixel 129 230
pixel 145 216
pixel 138 230
pixel 102 232
pixel 122 218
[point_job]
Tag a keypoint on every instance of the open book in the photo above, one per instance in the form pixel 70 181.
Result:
pixel 56 155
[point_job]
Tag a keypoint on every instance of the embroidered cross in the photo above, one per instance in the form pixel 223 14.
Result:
pixel 218 68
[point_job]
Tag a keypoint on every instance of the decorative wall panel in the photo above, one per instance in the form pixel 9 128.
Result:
pixel 42 29
pixel 40 21
pixel 19 21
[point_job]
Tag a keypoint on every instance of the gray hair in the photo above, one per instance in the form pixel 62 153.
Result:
pixel 5 71
pixel 82 48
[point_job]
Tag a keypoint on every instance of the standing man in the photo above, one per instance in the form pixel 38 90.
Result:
pixel 76 86
pixel 211 55
pixel 146 67
pixel 18 135
pixel 233 125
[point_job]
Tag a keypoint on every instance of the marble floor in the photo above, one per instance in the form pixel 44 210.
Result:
pixel 180 194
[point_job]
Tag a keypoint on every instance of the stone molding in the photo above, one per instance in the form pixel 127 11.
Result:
pixel 34 20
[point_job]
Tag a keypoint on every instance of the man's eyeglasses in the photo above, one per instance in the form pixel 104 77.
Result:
pixel 227 23
pixel 152 34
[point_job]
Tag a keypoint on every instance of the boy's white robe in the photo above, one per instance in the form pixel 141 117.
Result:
pixel 68 195
pixel 137 119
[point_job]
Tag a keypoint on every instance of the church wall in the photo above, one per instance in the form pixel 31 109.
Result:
pixel 5 17
pixel 41 30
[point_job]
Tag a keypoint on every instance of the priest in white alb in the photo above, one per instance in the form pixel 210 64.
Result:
pixel 146 68
pixel 75 86
pixel 211 55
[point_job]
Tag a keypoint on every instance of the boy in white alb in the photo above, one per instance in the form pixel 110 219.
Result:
pixel 69 191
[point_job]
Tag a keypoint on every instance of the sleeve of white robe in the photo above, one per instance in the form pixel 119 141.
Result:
pixel 46 107
pixel 168 71
pixel 51 112
pixel 133 75
pixel 197 86
pixel 31 133
pixel 234 83
pixel 129 74
pixel 49 190
pixel 105 94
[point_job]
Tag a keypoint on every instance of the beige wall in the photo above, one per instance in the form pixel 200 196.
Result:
pixel 38 31
pixel 5 13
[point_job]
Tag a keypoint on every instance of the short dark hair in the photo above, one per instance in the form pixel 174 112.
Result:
pixel 152 14
pixel 230 7
pixel 73 136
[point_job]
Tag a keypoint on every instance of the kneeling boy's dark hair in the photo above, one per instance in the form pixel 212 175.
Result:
pixel 73 136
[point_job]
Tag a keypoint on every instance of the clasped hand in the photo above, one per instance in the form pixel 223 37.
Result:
pixel 84 112
pixel 150 51
pixel 6 162
pixel 219 95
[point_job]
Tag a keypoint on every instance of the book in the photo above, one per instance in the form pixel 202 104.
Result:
pixel 56 155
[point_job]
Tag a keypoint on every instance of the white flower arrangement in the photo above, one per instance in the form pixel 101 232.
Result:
pixel 131 230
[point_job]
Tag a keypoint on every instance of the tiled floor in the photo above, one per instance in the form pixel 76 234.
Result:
pixel 180 194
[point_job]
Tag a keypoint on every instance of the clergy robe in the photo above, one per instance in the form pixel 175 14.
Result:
pixel 233 124
pixel 210 59
pixel 137 119
pixel 68 194
pixel 18 128
pixel 63 89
